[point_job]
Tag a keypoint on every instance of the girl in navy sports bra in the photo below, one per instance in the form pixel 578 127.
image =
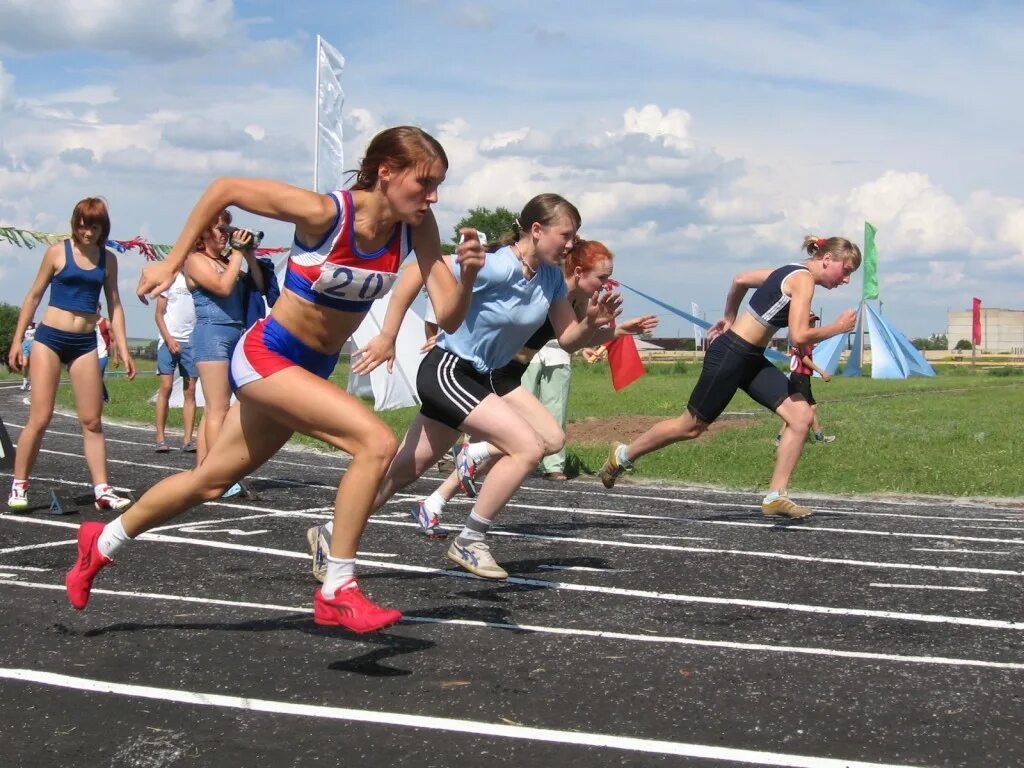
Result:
pixel 76 271
pixel 735 360
pixel 347 248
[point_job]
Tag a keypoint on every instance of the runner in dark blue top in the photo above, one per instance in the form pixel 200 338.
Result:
pixel 75 271
pixel 735 360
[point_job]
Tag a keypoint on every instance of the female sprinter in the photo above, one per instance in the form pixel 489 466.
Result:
pixel 587 269
pixel 75 271
pixel 347 249
pixel 735 360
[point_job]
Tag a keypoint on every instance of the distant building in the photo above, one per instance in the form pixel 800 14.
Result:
pixel 1002 330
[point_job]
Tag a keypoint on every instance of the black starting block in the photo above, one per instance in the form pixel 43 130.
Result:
pixel 6 449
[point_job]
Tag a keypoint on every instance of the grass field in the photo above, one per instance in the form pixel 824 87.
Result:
pixel 956 434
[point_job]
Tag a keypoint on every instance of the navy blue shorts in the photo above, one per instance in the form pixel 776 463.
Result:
pixel 67 346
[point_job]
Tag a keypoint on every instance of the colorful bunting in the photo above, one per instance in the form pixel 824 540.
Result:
pixel 25 238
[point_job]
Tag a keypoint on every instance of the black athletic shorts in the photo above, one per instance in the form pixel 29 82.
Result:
pixel 450 387
pixel 730 364
pixel 800 384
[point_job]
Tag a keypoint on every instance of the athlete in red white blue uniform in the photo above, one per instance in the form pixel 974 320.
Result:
pixel 347 248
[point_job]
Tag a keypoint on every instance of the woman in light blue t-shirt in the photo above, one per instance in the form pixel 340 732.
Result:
pixel 520 286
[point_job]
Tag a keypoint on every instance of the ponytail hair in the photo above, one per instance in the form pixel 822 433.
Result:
pixel 544 209
pixel 404 146
pixel 586 254
pixel 839 247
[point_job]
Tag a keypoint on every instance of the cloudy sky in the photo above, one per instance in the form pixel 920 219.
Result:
pixel 697 138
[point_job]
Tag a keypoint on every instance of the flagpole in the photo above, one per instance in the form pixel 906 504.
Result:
pixel 316 121
pixel 863 333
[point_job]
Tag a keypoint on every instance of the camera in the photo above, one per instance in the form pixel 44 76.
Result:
pixel 227 229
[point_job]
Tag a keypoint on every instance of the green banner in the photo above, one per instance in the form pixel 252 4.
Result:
pixel 870 263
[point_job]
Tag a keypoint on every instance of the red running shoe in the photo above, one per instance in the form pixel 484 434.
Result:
pixel 90 561
pixel 351 609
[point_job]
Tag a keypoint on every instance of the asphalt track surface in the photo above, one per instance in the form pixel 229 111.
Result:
pixel 651 625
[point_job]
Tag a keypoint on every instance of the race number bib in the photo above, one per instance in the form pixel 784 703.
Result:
pixel 353 283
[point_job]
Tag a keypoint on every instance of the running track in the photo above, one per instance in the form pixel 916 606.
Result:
pixel 652 625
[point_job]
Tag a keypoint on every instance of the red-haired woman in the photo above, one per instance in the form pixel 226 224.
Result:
pixel 346 252
pixel 75 271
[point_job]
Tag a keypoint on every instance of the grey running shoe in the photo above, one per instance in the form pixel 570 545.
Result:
pixel 476 558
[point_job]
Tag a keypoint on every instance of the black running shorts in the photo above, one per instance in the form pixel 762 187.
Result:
pixel 730 364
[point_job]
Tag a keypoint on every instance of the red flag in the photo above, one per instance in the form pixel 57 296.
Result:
pixel 976 324
pixel 624 362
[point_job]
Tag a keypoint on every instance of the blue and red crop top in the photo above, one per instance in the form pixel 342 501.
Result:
pixel 334 273
pixel 76 289
pixel 770 304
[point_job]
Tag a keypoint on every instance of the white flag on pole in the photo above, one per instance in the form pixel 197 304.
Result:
pixel 329 166
pixel 698 332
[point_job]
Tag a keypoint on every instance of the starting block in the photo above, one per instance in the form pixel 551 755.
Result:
pixel 56 508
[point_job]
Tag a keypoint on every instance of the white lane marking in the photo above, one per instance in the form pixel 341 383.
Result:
pixel 24 568
pixel 573 631
pixel 963 551
pixel 444 724
pixel 577 568
pixel 655 536
pixel 8 575
pixel 807 528
pixel 179 470
pixel 213 543
pixel 990 528
pixel 739 507
pixel 201 528
pixel 928 586
pixel 60 481
pixel 36 546
pixel 193 523
pixel 151 430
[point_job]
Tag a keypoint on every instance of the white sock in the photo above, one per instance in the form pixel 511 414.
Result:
pixel 341 574
pixel 112 538
pixel 620 456
pixel 19 485
pixel 478 452
pixel 772 496
pixel 102 488
pixel 434 503
pixel 476 528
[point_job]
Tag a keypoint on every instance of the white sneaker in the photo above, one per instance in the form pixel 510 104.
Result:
pixel 110 502
pixel 18 498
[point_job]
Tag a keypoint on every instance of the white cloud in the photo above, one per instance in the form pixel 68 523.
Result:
pixel 650 121
pixel 166 30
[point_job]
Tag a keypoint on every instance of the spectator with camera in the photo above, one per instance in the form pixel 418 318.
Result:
pixel 213 274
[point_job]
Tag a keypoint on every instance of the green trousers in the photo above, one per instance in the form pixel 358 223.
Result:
pixel 550 385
